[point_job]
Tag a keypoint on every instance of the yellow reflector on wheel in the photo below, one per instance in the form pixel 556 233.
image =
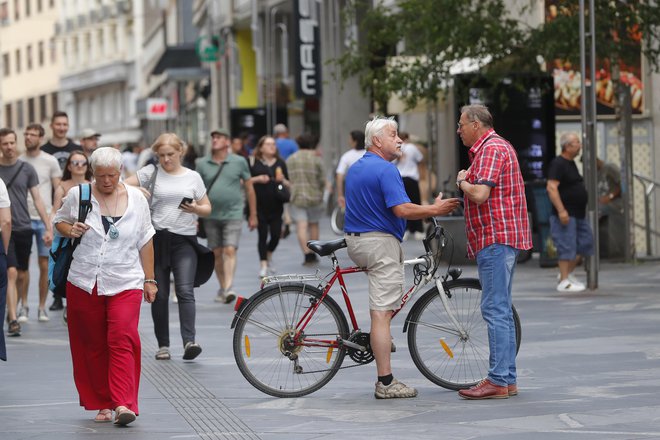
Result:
pixel 247 346
pixel 446 348
pixel 329 355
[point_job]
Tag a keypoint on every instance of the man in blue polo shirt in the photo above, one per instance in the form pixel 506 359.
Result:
pixel 377 208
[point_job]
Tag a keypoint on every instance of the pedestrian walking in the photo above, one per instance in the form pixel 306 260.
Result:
pixel 377 208
pixel 5 230
pixel 409 166
pixel 356 141
pixel 569 227
pixel 270 179
pixel 178 198
pixel 227 179
pixel 20 179
pixel 307 179
pixel 497 228
pixel 285 148
pixel 89 141
pixel 49 174
pixel 60 146
pixel 111 272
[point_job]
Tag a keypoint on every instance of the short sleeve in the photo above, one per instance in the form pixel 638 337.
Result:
pixel 4 195
pixel 144 174
pixel 146 228
pixel 342 166
pixel 487 167
pixel 55 170
pixel 554 171
pixel 392 187
pixel 33 177
pixel 245 170
pixel 68 212
pixel 199 189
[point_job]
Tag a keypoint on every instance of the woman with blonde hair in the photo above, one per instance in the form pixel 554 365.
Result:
pixel 177 199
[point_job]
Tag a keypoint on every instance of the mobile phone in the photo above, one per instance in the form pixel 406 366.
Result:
pixel 185 201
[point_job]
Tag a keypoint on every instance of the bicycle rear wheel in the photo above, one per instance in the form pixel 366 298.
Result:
pixel 446 356
pixel 272 353
pixel 337 220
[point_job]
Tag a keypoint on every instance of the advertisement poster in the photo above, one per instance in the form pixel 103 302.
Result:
pixel 567 79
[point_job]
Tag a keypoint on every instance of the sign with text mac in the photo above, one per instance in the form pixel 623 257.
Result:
pixel 307 48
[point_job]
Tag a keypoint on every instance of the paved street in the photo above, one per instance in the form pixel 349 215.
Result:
pixel 589 368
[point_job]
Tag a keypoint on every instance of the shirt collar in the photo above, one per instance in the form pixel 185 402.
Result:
pixel 474 149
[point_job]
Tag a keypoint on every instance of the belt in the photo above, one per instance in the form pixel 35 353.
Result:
pixel 354 234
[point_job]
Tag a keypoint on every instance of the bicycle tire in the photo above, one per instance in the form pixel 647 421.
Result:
pixel 337 220
pixel 441 355
pixel 261 333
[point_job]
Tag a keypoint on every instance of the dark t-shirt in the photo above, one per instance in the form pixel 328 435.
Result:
pixel 267 202
pixel 60 153
pixel 25 179
pixel 572 191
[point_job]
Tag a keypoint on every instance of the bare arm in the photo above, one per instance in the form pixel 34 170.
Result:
pixel 475 193
pixel 201 207
pixel 553 194
pixel 341 200
pixel 147 259
pixel 41 209
pixel 412 211
pixel 5 224
pixel 252 203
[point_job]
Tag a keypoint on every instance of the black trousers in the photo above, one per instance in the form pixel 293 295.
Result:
pixel 269 223
pixel 412 189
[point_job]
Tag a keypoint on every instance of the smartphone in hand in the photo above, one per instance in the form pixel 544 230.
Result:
pixel 185 201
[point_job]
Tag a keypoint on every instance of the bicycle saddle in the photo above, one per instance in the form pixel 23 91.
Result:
pixel 323 248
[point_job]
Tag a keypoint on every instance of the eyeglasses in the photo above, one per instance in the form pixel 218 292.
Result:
pixel 79 163
pixel 461 124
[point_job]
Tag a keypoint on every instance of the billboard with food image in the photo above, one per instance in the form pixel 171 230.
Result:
pixel 567 80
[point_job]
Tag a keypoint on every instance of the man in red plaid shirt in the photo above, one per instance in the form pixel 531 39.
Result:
pixel 497 228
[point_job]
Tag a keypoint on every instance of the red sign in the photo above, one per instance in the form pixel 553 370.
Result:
pixel 157 109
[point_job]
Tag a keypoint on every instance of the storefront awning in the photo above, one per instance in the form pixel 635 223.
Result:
pixel 177 57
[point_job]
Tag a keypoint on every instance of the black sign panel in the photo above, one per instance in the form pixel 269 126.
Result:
pixel 307 48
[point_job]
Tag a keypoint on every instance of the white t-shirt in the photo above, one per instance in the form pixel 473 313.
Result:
pixel 349 158
pixel 408 164
pixel 167 195
pixel 47 168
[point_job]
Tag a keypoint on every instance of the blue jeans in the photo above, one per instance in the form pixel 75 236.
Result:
pixel 496 264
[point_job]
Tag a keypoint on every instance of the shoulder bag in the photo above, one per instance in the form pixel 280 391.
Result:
pixel 201 231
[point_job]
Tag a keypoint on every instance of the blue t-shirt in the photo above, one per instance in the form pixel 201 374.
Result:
pixel 373 187
pixel 286 147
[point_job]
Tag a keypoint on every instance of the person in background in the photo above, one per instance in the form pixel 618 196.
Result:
pixel 129 159
pixel 238 148
pixel 178 198
pixel 5 230
pixel 111 272
pixel 497 228
pixel 228 193
pixel 307 183
pixel 60 146
pixel 49 173
pixel 20 179
pixel 409 166
pixel 569 227
pixel 610 210
pixel 268 171
pixel 356 140
pixel 285 148
pixel 89 141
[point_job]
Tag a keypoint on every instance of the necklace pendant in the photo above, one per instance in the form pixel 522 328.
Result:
pixel 113 232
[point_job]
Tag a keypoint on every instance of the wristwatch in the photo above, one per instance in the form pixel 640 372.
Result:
pixel 458 183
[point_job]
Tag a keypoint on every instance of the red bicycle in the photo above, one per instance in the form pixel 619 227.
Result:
pixel 291 337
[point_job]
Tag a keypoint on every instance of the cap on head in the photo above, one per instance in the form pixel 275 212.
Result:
pixel 89 133
pixel 221 131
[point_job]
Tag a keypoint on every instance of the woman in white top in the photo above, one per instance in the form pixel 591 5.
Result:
pixel 112 270
pixel 5 225
pixel 178 198
pixel 347 159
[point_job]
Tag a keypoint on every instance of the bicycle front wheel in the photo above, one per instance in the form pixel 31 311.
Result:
pixel 452 357
pixel 275 354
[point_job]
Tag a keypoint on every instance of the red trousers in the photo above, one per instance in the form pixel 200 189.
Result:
pixel 105 347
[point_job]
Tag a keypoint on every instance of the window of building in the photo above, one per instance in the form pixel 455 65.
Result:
pixel 20 122
pixel 27 7
pixel 99 38
pixel 53 97
pixel 39 6
pixel 51 3
pixel 8 116
pixel 31 113
pixel 43 111
pixel 18 60
pixel 17 7
pixel 5 65
pixel 52 46
pixel 89 54
pixel 28 57
pixel 40 55
pixel 4 12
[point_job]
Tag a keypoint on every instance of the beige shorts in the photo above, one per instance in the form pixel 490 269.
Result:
pixel 381 254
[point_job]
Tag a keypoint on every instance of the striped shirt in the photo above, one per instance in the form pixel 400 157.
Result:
pixel 502 218
pixel 169 190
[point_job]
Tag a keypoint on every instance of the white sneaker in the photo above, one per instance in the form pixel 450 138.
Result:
pixel 263 272
pixel 43 316
pixel 23 314
pixel 568 286
pixel 572 279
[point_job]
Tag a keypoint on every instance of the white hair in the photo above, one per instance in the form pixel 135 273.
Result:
pixel 105 157
pixel 374 128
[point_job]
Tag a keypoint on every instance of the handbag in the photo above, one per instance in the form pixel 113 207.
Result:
pixel 201 230
pixel 61 250
pixel 282 193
